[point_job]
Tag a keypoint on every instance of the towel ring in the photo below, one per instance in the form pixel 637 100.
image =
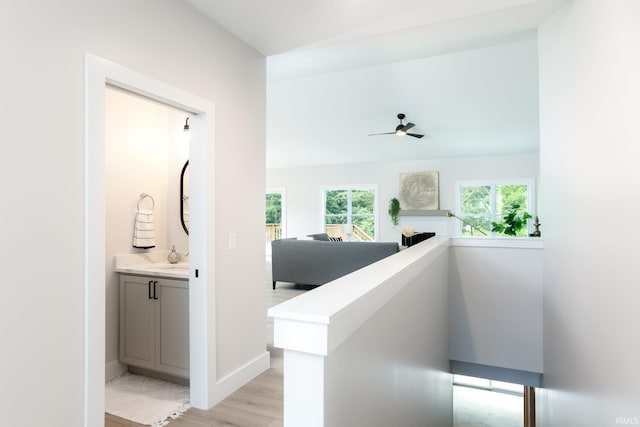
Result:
pixel 142 197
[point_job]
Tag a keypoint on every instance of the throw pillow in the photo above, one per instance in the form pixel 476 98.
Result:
pixel 335 239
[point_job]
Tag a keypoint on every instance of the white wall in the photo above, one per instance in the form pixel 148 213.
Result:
pixel 41 166
pixel 394 369
pixel 143 155
pixel 589 102
pixel 304 198
pixel 495 302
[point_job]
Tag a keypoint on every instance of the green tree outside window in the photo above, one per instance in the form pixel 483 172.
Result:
pixel 482 204
pixel 355 206
pixel 274 208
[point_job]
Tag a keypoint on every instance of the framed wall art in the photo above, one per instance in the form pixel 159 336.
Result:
pixel 419 191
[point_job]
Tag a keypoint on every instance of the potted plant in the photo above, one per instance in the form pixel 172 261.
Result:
pixel 512 222
pixel 394 210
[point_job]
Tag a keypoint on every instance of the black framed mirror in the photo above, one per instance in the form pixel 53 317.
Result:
pixel 184 198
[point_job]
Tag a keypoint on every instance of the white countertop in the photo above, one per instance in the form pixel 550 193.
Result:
pixel 174 271
pixel 151 264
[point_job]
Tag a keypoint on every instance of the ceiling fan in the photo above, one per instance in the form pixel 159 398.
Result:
pixel 401 129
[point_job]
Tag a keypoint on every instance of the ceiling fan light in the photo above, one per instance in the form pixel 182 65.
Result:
pixel 401 129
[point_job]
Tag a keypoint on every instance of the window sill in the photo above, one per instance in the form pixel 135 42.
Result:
pixel 498 242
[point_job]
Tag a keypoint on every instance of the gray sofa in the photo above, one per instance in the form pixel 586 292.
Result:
pixel 316 262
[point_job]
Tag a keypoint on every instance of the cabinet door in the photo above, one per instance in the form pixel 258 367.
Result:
pixel 172 334
pixel 137 323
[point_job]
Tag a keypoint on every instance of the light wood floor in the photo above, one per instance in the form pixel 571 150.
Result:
pixel 257 404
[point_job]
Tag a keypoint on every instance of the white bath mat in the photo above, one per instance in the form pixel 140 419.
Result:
pixel 145 400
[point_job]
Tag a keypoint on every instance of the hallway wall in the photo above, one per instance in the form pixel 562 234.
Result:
pixel 42 171
pixel 589 104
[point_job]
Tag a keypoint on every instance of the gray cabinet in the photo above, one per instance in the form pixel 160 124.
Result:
pixel 154 324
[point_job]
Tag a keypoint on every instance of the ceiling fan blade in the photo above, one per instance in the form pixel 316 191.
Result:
pixel 415 135
pixel 408 126
pixel 386 133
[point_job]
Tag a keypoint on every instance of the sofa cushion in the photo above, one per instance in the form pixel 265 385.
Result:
pixel 319 236
pixel 335 239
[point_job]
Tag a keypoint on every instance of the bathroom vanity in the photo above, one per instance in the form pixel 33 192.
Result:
pixel 154 314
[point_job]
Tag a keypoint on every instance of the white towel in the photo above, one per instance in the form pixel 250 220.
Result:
pixel 143 235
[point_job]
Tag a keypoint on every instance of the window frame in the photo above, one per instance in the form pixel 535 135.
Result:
pixel 493 183
pixel 350 188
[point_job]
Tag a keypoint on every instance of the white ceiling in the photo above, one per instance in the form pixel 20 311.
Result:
pixel 473 103
pixel 278 26
pixel 308 39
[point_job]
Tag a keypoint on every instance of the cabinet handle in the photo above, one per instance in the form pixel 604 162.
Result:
pixel 150 282
pixel 155 290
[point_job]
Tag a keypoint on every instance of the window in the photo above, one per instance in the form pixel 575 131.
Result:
pixel 350 206
pixel 480 204
pixel 274 214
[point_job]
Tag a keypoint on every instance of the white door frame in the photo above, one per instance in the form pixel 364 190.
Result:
pixel 202 343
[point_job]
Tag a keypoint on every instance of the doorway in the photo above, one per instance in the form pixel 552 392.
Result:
pixel 145 149
pixel 98 74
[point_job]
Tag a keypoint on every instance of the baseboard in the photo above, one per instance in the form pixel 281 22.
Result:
pixel 241 376
pixel 114 369
pixel 158 375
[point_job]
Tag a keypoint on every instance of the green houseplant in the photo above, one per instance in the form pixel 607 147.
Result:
pixel 512 222
pixel 394 210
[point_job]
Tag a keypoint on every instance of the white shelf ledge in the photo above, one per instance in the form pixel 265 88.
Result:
pixel 498 242
pixel 416 212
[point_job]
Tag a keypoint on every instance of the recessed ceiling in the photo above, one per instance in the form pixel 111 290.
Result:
pixel 334 68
